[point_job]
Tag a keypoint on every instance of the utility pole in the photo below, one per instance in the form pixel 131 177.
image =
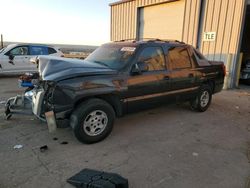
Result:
pixel 1 41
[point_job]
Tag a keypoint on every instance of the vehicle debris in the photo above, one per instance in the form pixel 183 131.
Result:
pixel 44 148
pixel 22 104
pixel 64 143
pixel 97 179
pixel 51 121
pixel 19 146
pixel 195 154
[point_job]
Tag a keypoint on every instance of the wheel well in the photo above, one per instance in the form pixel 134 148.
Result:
pixel 113 100
pixel 211 83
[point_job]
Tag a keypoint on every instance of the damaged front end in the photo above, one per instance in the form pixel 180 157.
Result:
pixel 37 101
pixel 42 103
pixel 22 104
pixel 52 97
pixel 42 99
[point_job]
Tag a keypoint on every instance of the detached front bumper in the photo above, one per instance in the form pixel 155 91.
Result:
pixel 20 104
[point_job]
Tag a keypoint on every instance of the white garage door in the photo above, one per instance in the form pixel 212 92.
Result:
pixel 163 21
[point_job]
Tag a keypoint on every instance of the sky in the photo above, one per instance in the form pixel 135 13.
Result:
pixel 84 22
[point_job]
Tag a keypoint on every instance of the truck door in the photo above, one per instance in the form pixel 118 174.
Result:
pixel 16 59
pixel 182 72
pixel 146 86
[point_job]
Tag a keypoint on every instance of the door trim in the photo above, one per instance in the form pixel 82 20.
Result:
pixel 159 94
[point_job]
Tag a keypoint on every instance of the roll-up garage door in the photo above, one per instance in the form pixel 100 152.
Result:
pixel 163 21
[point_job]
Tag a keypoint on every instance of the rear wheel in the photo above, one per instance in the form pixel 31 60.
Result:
pixel 202 100
pixel 92 121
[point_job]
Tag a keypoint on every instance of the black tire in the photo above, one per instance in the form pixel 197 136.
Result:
pixel 200 105
pixel 85 112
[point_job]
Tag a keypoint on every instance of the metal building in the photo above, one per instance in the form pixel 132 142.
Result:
pixel 214 26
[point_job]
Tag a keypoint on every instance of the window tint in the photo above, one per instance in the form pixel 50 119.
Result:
pixel 52 50
pixel 21 50
pixel 179 58
pixel 38 50
pixel 153 57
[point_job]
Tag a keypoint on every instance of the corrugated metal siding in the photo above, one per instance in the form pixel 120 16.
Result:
pixel 225 17
pixel 124 18
pixel 191 21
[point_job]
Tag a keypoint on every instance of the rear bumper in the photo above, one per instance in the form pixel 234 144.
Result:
pixel 218 88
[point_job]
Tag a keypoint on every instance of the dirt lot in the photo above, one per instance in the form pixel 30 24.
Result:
pixel 169 146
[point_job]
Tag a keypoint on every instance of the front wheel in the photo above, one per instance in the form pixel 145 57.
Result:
pixel 92 121
pixel 202 100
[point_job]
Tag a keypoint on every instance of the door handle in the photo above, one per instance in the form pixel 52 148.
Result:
pixel 166 78
pixel 191 75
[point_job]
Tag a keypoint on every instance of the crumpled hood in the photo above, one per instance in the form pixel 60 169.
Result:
pixel 57 68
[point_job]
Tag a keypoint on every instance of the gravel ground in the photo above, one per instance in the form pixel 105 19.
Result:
pixel 169 146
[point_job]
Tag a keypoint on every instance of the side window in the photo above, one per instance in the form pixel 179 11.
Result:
pixel 21 50
pixel 179 58
pixel 38 50
pixel 153 57
pixel 51 50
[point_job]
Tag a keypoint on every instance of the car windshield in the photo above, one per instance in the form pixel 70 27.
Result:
pixel 114 57
pixel 1 50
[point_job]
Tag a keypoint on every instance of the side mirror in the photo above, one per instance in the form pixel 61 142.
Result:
pixel 139 68
pixel 11 58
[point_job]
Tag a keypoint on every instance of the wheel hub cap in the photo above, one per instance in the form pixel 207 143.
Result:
pixel 95 123
pixel 204 99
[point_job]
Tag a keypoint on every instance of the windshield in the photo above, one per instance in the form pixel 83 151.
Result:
pixel 1 50
pixel 114 57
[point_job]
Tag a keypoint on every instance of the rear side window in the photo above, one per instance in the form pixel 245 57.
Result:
pixel 38 50
pixel 179 58
pixel 153 57
pixel 51 50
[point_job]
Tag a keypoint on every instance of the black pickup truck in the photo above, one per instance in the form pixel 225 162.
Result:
pixel 120 76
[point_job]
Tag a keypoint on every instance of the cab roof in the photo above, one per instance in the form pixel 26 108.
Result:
pixel 132 42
